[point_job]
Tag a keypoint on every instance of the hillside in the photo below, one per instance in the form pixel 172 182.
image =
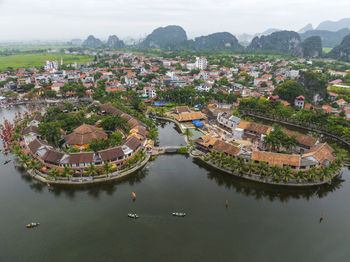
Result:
pixel 280 42
pixel 329 39
pixel 312 47
pixel 92 42
pixel 169 38
pixel 217 41
pixel 113 42
pixel 342 51
pixel 334 25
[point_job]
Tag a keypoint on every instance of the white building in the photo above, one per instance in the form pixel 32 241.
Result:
pixel 149 91
pixel 299 102
pixel 51 64
pixel 228 121
pixel 201 63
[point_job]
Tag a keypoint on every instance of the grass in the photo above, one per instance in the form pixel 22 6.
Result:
pixel 24 48
pixel 327 49
pixel 38 60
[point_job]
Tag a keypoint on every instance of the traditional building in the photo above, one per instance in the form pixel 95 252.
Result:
pixel 83 135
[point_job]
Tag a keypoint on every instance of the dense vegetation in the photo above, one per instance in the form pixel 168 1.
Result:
pixel 315 118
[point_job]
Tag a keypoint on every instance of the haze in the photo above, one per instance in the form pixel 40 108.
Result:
pixel 67 19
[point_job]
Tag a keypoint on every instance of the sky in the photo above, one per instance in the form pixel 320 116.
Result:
pixel 66 19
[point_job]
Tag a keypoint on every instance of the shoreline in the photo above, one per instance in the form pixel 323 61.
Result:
pixel 115 176
pixel 264 181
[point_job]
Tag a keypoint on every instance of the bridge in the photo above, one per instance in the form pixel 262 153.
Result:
pixel 165 149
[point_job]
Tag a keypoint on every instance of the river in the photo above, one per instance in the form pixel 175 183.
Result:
pixel 90 223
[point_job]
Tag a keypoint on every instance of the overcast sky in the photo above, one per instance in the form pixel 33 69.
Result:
pixel 66 19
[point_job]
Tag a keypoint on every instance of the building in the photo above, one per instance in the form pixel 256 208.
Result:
pixel 189 117
pixel 299 102
pixel 305 143
pixel 209 143
pixel 201 63
pixel 229 121
pixel 51 64
pixel 83 135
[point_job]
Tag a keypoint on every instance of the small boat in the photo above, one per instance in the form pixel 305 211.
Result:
pixel 31 225
pixel 134 216
pixel 6 162
pixel 178 214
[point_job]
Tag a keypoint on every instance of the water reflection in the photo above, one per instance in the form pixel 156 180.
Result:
pixel 272 193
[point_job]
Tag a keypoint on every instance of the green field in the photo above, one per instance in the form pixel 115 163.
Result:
pixel 38 60
pixel 24 48
pixel 327 50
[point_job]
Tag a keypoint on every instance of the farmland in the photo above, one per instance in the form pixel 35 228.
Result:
pixel 38 60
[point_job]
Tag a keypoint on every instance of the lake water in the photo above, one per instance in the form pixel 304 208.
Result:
pixel 262 223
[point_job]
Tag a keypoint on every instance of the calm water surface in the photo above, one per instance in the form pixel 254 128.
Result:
pixel 262 223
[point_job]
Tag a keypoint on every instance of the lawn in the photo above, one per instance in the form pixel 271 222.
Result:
pixel 327 50
pixel 38 60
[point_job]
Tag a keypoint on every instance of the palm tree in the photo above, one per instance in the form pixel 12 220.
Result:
pixel 250 167
pixel 91 171
pixel 300 176
pixel 33 165
pixel 188 133
pixel 67 171
pixel 54 173
pixel 276 173
pixel 263 169
pixel 107 168
pixel 23 160
pixel 213 155
pixel 287 173
pixel 240 166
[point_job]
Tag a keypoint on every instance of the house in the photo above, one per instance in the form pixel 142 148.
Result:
pixel 204 87
pixel 299 102
pixel 253 130
pixel 321 155
pixel 201 63
pixel 83 135
pixel 229 121
pixel 149 92
pixel 276 159
pixel 189 117
pixel 209 143
pixel 305 142
pixel 182 109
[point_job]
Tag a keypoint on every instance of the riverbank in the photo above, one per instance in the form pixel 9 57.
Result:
pixel 265 180
pixel 115 176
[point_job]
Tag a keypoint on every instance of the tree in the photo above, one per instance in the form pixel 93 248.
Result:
pixel 107 168
pixel 91 171
pixel 289 90
pixel 67 171
pixel 54 173
pixel 50 131
pixel 188 133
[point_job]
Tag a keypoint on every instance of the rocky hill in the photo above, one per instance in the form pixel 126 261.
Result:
pixel 342 51
pixel 315 86
pixel 329 38
pixel 92 42
pixel 312 47
pixel 334 25
pixel 217 41
pixel 113 42
pixel 279 42
pixel 170 37
pixel 306 28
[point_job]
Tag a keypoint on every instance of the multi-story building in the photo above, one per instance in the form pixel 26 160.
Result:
pixel 201 63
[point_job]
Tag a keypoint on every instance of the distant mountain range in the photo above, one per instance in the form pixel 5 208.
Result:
pixel 307 43
pixel 113 42
pixel 334 25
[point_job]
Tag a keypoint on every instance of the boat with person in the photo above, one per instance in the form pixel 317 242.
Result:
pixel 32 225
pixel 6 162
pixel 133 215
pixel 178 214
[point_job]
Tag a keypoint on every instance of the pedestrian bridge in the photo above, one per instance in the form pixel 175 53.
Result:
pixel 165 149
